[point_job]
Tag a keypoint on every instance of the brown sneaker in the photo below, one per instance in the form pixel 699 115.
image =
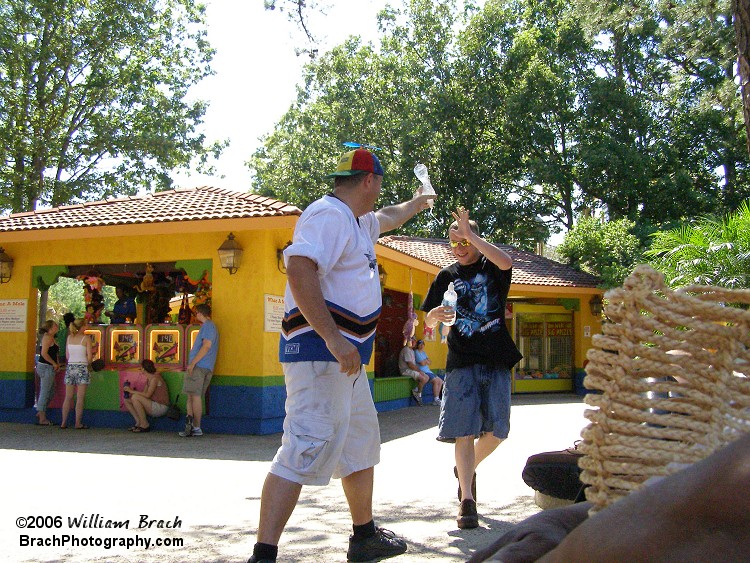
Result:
pixel 467 515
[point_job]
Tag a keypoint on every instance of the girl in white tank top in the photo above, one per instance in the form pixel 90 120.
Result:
pixel 78 352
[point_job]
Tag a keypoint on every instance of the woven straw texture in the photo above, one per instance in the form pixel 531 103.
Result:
pixel 671 368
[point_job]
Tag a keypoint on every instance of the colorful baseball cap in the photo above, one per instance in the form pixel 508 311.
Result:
pixel 358 161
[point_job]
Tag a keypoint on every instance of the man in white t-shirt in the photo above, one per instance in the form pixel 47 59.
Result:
pixel 331 308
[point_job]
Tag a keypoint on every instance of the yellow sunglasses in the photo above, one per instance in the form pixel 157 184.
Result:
pixel 455 243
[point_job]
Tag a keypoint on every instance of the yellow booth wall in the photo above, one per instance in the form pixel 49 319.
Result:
pixel 237 300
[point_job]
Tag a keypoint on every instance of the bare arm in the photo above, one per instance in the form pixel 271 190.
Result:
pixel 149 390
pixel 534 537
pixel 394 216
pixel 89 351
pixel 302 274
pixel 698 514
pixel 494 254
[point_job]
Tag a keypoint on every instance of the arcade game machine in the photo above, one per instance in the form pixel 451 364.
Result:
pixel 98 338
pixel 165 346
pixel 124 354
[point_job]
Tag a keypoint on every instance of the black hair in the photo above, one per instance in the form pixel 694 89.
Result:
pixel 68 318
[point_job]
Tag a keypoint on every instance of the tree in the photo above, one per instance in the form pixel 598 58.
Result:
pixel 664 112
pixel 609 250
pixel 527 117
pixel 93 98
pixel 67 295
pixel 709 251
pixel 298 12
pixel 394 108
pixel 741 12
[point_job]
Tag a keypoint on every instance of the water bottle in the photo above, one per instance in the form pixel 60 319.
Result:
pixel 420 171
pixel 449 300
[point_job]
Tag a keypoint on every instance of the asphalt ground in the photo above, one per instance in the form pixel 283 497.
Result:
pixel 84 495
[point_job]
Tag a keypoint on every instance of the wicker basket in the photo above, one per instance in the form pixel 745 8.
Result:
pixel 671 368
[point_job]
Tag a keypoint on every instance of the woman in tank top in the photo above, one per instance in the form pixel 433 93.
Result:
pixel 46 366
pixel 153 400
pixel 78 352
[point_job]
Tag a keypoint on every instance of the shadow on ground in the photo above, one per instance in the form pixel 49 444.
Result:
pixel 393 425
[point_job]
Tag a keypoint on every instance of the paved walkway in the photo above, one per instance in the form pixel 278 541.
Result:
pixel 210 487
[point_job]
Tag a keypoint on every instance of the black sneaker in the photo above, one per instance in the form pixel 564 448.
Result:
pixel 467 515
pixel 555 474
pixel 473 484
pixel 383 544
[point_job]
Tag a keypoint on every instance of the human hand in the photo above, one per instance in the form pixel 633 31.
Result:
pixel 347 355
pixel 423 200
pixel 442 314
pixel 461 215
pixel 534 537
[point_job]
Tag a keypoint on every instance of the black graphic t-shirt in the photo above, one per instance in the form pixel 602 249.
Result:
pixel 479 335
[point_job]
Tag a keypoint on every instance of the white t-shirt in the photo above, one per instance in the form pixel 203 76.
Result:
pixel 405 357
pixel 343 247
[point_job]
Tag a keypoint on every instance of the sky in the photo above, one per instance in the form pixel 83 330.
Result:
pixel 257 72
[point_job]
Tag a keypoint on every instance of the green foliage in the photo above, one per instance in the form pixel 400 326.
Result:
pixel 609 250
pixel 530 114
pixel 93 98
pixel 66 295
pixel 709 251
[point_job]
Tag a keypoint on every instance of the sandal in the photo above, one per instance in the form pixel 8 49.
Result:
pixel 61 427
pixel 140 429
pixel 82 427
pixel 132 428
pixel 46 423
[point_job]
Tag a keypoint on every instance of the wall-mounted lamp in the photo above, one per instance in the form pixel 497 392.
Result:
pixel 6 266
pixel 596 305
pixel 230 254
pixel 383 275
pixel 280 257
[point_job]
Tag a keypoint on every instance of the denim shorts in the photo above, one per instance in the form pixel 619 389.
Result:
pixel 476 400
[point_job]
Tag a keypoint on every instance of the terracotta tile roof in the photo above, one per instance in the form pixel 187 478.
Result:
pixel 528 268
pixel 184 204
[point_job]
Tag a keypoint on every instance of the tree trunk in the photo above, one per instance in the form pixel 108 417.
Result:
pixel 741 9
pixel 43 300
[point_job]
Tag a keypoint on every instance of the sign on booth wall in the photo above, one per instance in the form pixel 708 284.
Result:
pixel 273 309
pixel 13 315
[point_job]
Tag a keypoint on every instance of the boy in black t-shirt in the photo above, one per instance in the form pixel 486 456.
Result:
pixel 481 353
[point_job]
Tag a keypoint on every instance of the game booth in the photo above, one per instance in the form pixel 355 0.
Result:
pixel 118 349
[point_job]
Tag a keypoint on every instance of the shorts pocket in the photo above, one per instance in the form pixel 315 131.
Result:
pixel 309 438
